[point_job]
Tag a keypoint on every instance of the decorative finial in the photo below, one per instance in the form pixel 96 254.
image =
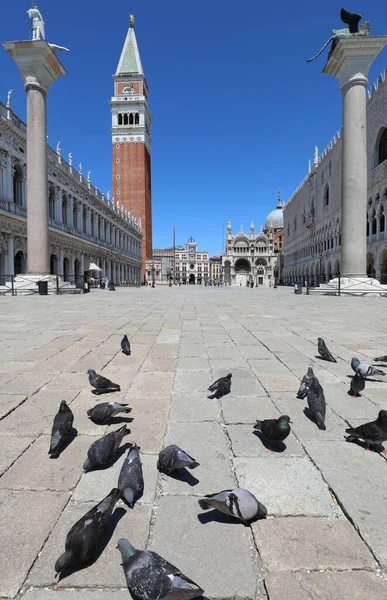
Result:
pixel 260 228
pixel 108 195
pixel 88 176
pixel 309 166
pixel 70 159
pixel 80 168
pixel 315 158
pixel 58 149
pixel 9 98
pixel 252 226
pixel 279 203
pixel 229 226
pixel 241 229
pixel 131 20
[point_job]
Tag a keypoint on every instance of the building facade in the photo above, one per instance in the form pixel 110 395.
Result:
pixel 85 227
pixel 312 216
pixel 252 258
pixel 166 258
pixel 215 268
pixel 131 140
pixel 186 265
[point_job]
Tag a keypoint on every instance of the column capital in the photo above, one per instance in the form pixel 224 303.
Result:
pixel 351 57
pixel 37 62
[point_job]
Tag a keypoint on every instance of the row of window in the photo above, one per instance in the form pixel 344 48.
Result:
pixel 128 118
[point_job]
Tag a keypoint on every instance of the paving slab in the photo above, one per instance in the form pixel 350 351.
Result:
pixel 9 402
pixel 76 594
pixel 301 543
pixel 288 486
pixel 247 409
pixel 106 571
pixel 214 473
pixel 35 470
pixel 158 364
pixel 27 384
pixel 164 351
pixel 31 417
pixel 246 441
pixel 193 406
pixel 21 521
pixel 152 384
pixel 11 448
pixel 202 550
pixel 243 383
pixel 352 472
pixel 197 381
pixel 356 585
pixel 279 383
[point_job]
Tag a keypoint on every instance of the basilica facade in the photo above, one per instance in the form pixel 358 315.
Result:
pixel 85 226
pixel 251 258
pixel 312 216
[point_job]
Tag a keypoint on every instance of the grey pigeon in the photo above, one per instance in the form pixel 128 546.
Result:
pixel 302 391
pixel 102 450
pixel 61 429
pixel 130 480
pixel 238 503
pixel 316 403
pixel 381 358
pixel 364 369
pixel 101 383
pixel 151 577
pixel 372 433
pixel 323 351
pixel 85 540
pixel 357 384
pixel 221 386
pixel 125 345
pixel 103 412
pixel 172 458
pixel 274 430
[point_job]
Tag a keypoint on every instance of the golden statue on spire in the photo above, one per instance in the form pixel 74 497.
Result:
pixel 131 20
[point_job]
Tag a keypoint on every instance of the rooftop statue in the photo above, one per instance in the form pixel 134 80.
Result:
pixel 37 25
pixel 350 19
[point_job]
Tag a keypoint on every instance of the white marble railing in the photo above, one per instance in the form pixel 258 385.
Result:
pixel 13 208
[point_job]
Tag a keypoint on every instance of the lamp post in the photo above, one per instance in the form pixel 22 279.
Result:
pixel 153 274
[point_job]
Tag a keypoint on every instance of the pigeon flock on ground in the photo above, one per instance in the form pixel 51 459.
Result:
pixel 148 575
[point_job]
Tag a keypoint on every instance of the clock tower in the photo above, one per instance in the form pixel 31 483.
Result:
pixel 131 141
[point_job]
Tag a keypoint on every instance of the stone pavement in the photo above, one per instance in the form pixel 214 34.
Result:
pixel 325 537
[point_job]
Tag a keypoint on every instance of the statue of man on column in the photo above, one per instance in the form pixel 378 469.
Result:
pixel 37 25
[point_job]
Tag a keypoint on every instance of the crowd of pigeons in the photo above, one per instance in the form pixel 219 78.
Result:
pixel 148 575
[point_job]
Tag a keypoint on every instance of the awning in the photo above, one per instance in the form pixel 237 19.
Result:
pixel 94 267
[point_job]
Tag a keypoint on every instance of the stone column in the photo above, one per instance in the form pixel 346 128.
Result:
pixel 9 180
pixel 39 68
pixel 11 264
pixel 58 213
pixel 60 264
pixel 349 61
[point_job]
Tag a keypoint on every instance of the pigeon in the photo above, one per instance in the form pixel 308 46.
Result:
pixel 85 540
pixel 316 403
pixel 238 503
pixel 102 450
pixel 130 480
pixel 125 345
pixel 101 384
pixel 221 386
pixel 372 433
pixel 381 358
pixel 323 351
pixel 61 429
pixel 364 369
pixel 102 413
pixel 172 458
pixel 274 430
pixel 357 385
pixel 151 577
pixel 302 391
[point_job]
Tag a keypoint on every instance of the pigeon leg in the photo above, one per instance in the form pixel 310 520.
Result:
pixel 268 449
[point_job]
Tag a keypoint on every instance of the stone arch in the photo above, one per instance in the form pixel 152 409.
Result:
pixel 66 269
pixel 53 264
pixel 19 262
pixel 380 154
pixel 383 267
pixel 227 272
pixel 242 265
pixel 261 261
pixel 370 264
pixel 18 184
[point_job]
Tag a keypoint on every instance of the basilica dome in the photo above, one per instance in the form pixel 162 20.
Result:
pixel 275 219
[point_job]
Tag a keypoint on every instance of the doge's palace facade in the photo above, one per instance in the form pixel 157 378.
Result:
pixel 85 225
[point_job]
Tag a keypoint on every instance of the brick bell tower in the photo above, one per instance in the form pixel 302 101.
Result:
pixel 131 141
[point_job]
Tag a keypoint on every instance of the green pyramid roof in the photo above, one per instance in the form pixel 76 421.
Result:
pixel 130 61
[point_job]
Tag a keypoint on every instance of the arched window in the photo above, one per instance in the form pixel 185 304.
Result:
pixel 51 204
pixel 18 185
pixel 368 227
pixel 120 119
pixel 131 119
pixel 326 195
pixel 64 210
pixel 84 220
pixel 382 149
pixel 137 119
pixel 382 223
pixel 125 119
pixel 75 216
pixel 374 225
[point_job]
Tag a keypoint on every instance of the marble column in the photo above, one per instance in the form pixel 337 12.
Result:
pixel 349 61
pixel 58 212
pixel 39 68
pixel 9 179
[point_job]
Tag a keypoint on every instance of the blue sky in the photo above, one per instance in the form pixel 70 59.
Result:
pixel 236 109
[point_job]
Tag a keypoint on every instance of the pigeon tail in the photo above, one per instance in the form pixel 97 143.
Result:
pixel 193 465
pixel 204 504
pixel 320 421
pixel 381 358
pixel 258 425
pixel 115 386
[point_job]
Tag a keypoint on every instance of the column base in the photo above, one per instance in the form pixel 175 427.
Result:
pixel 27 284
pixel 351 286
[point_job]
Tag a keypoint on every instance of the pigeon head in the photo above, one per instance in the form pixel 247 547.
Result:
pixel 320 342
pixel 382 416
pixel 87 466
pixel 126 549
pixel 64 561
pixel 355 361
pixel 310 370
pixel 89 413
pixel 91 372
pixel 284 421
pixel 228 375
pixel 63 406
